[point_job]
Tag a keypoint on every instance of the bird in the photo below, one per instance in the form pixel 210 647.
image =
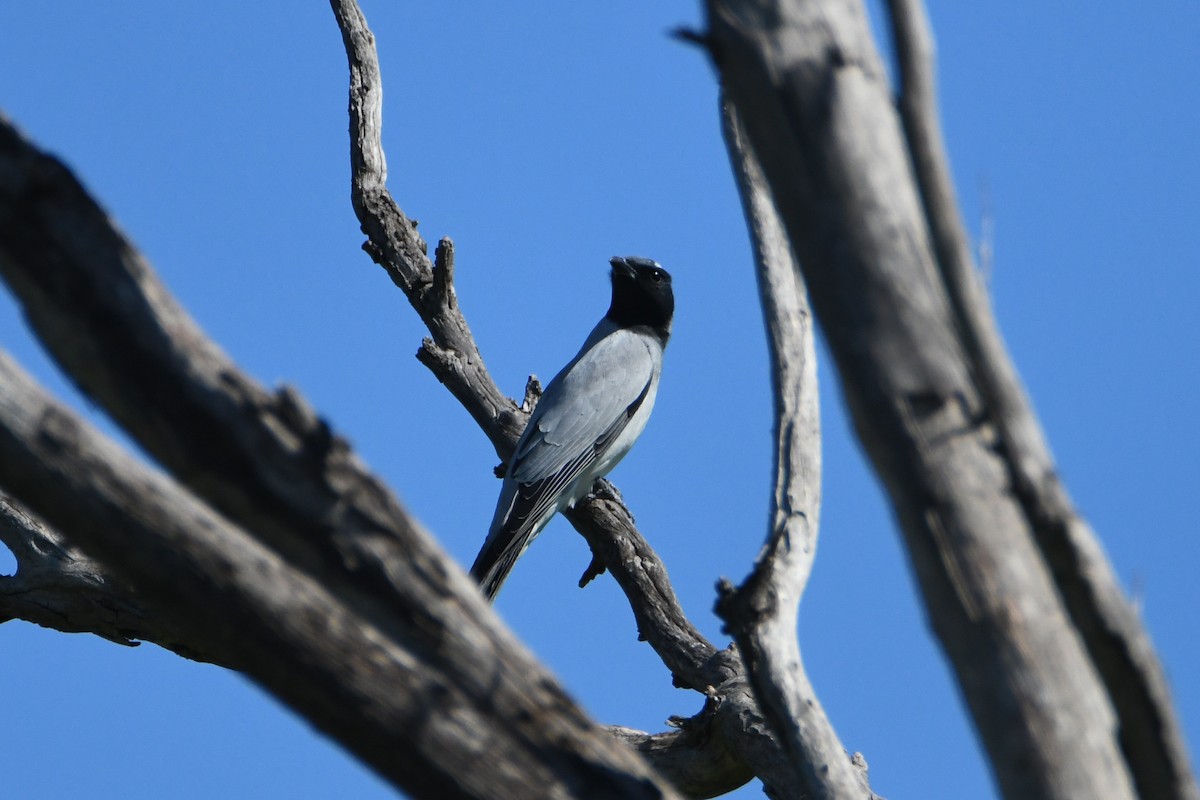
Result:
pixel 588 417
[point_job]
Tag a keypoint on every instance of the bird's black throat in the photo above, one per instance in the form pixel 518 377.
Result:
pixel 642 297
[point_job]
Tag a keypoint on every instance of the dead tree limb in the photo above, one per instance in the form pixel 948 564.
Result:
pixel 58 586
pixel 1150 734
pixel 435 729
pixel 807 82
pixel 763 613
pixel 453 356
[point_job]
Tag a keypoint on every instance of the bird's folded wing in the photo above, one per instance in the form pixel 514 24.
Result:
pixel 584 409
pixel 526 506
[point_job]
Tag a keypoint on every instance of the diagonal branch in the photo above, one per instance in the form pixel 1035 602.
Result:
pixel 762 614
pixel 608 527
pixel 265 460
pixel 391 703
pixel 452 355
pixel 1151 736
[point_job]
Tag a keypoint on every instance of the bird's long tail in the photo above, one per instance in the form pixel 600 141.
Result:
pixel 497 558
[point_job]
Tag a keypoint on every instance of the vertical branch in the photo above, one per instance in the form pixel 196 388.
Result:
pixel 762 614
pixel 1150 734
pixel 808 84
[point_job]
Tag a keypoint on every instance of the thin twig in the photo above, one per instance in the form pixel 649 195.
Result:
pixel 57 586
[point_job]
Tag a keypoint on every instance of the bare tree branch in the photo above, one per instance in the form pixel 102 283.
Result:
pixel 1151 737
pixel 807 83
pixel 455 359
pixel 57 586
pixel 266 461
pixel 434 731
pixel 694 757
pixel 394 244
pixel 608 527
pixel 453 356
pixel 763 613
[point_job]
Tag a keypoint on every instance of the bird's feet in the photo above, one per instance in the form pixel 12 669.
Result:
pixel 602 489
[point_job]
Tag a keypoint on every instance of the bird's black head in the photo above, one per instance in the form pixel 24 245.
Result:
pixel 641 296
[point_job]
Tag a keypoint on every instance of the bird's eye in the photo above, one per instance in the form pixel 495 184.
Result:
pixel 656 276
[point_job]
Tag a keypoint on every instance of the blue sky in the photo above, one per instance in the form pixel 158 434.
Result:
pixel 545 139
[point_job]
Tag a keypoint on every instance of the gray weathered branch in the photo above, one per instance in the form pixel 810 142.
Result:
pixel 1150 734
pixel 807 82
pixel 394 244
pixel 58 586
pixel 492 725
pixel 265 460
pixel 763 613
pixel 453 356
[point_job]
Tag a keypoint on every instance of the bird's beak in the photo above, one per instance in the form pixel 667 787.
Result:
pixel 622 267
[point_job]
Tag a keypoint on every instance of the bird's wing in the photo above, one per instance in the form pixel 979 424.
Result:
pixel 582 411
pixel 586 406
